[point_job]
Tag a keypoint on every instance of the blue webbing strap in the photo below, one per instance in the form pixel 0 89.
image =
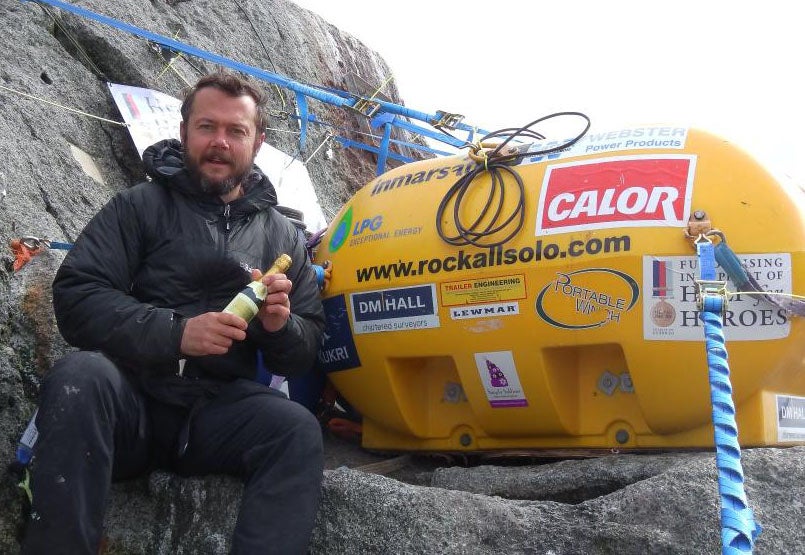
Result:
pixel 393 155
pixel 317 93
pixel 60 246
pixel 384 149
pixel 301 101
pixel 312 118
pixel 437 135
pixel 738 527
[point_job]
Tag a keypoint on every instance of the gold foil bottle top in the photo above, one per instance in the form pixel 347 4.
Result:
pixel 247 303
pixel 280 265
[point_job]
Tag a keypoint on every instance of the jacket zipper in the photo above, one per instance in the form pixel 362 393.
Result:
pixel 226 217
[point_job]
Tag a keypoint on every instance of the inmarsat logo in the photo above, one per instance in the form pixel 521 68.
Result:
pixel 625 191
pixel 341 231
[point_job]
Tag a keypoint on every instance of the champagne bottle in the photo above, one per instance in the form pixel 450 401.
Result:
pixel 247 303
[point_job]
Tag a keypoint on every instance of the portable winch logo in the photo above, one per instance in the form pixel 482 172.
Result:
pixel 626 191
pixel 588 298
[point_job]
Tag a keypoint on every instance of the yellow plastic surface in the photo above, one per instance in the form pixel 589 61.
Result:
pixel 581 330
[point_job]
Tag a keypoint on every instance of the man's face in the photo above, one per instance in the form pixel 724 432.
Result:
pixel 220 140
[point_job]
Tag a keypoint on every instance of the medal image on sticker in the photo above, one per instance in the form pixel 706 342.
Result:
pixel 662 312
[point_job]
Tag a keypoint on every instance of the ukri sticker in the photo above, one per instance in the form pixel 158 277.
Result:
pixel 500 379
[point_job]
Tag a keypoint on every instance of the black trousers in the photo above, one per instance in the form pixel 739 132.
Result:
pixel 95 427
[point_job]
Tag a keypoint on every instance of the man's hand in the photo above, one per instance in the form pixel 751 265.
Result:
pixel 276 308
pixel 212 333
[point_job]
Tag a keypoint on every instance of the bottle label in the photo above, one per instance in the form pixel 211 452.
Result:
pixel 245 304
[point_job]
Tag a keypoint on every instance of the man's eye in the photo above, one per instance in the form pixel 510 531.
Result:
pixel 239 132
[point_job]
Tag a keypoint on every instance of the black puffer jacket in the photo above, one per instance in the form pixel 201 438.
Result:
pixel 161 252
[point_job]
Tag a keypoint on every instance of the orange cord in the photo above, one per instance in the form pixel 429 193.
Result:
pixel 22 253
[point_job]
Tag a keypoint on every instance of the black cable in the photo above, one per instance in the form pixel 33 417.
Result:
pixel 257 34
pixel 496 163
pixel 77 45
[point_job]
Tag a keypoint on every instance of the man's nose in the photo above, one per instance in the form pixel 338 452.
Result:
pixel 220 140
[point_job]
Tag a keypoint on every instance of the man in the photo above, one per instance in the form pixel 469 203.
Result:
pixel 164 378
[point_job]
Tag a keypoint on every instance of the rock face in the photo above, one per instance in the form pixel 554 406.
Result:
pixel 60 166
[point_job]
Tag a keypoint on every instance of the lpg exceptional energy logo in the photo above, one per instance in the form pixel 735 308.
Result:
pixel 365 230
pixel 588 298
pixel 626 191
pixel 341 231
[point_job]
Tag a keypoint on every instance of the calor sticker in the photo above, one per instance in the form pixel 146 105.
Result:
pixel 626 191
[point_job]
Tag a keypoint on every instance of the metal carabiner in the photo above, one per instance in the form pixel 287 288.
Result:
pixel 33 243
pixel 718 233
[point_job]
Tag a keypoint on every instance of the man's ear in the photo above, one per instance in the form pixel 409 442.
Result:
pixel 182 132
pixel 258 142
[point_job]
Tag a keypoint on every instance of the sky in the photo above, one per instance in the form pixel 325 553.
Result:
pixel 730 68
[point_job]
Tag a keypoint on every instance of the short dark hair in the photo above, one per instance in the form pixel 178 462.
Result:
pixel 233 85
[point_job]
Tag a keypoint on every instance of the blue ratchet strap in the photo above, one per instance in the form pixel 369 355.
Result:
pixel 384 149
pixel 738 527
pixel 731 264
pixel 348 143
pixel 301 102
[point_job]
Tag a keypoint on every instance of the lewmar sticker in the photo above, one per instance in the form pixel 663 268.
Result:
pixel 790 418
pixel 401 309
pixel 669 303
pixel 586 299
pixel 501 381
pixel 338 350
pixel 627 191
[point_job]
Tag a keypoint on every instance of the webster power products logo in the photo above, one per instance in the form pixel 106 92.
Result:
pixel 626 191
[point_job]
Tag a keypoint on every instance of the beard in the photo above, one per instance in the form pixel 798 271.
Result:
pixel 217 187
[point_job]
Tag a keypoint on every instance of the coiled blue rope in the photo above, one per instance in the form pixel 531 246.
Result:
pixel 738 527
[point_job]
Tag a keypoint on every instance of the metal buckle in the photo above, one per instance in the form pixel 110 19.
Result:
pixel 446 120
pixel 366 106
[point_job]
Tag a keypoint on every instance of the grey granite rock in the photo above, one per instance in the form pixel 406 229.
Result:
pixel 616 504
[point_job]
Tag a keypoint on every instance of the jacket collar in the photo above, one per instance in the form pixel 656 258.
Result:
pixel 164 164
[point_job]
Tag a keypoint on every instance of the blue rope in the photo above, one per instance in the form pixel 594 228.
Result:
pixel 738 527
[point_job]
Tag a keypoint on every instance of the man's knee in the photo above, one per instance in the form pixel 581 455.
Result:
pixel 306 427
pixel 82 374
pixel 293 423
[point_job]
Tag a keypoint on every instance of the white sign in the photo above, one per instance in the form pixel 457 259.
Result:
pixel 790 418
pixel 669 299
pixel 153 116
pixel 399 309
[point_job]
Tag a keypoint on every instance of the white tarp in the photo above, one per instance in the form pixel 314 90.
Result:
pixel 153 116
